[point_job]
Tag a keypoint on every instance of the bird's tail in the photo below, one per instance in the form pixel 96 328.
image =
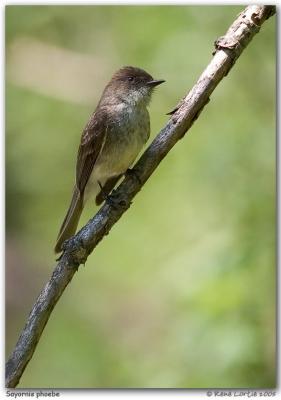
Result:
pixel 71 220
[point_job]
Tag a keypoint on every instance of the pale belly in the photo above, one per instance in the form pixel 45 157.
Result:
pixel 120 150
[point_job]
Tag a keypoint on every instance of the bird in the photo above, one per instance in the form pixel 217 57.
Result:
pixel 110 142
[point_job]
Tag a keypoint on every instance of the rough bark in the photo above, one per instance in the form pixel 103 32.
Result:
pixel 76 250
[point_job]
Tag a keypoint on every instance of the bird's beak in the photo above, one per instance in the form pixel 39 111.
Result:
pixel 155 82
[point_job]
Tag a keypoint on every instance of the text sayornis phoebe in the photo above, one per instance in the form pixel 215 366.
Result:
pixel 110 142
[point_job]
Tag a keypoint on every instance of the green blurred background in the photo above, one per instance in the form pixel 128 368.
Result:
pixel 182 291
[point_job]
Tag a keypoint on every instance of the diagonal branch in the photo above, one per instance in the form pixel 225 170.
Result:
pixel 76 250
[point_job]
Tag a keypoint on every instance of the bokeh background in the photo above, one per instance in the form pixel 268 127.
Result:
pixel 182 292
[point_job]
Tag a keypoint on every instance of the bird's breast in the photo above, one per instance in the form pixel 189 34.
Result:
pixel 127 132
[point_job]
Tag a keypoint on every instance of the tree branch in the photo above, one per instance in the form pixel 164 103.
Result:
pixel 76 250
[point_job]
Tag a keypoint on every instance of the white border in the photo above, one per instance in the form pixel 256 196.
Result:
pixel 106 393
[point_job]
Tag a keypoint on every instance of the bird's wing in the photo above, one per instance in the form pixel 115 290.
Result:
pixel 92 141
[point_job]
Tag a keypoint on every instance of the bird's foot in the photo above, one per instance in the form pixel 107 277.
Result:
pixel 134 173
pixel 116 200
pixel 113 199
pixel 104 195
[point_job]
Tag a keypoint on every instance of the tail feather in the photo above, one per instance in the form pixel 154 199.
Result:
pixel 71 220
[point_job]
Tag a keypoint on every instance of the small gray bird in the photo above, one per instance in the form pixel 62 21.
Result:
pixel 110 142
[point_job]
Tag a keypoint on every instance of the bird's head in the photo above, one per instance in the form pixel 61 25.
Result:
pixel 132 85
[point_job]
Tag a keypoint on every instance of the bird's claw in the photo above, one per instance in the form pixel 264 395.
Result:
pixel 134 173
pixel 116 201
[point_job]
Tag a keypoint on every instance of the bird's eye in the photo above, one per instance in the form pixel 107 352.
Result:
pixel 130 78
